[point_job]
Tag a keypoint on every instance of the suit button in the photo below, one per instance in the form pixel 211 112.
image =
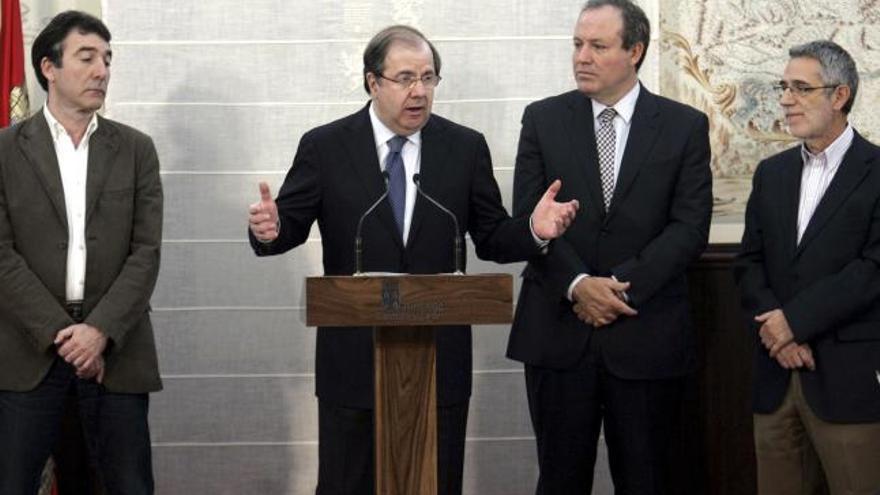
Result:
pixel 62 246
pixel 604 232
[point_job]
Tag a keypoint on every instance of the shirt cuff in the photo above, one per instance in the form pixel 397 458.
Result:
pixel 572 285
pixel 541 243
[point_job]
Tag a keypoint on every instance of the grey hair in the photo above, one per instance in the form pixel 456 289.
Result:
pixel 636 27
pixel 838 67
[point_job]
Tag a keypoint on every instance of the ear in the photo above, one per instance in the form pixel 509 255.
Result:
pixel 637 51
pixel 372 83
pixel 48 69
pixel 840 96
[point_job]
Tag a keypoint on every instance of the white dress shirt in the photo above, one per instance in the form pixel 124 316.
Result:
pixel 819 169
pixel 412 160
pixel 625 108
pixel 73 165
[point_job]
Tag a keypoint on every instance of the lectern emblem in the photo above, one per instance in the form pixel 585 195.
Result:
pixel 390 295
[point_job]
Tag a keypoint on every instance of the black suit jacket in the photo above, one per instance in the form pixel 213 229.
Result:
pixel 335 177
pixel 828 285
pixel 657 223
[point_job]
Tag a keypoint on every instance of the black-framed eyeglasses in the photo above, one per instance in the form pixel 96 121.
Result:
pixel 408 81
pixel 798 90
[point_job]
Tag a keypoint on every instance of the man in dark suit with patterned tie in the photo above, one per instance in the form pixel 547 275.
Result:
pixel 603 321
pixel 336 175
pixel 809 274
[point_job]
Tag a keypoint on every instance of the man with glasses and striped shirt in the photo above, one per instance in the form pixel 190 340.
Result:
pixel 809 274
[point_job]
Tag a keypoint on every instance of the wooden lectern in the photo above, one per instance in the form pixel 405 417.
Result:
pixel 403 310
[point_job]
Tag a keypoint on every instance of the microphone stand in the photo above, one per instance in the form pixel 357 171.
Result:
pixel 358 240
pixel 457 247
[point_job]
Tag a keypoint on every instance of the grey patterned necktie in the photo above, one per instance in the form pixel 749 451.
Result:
pixel 396 180
pixel 606 141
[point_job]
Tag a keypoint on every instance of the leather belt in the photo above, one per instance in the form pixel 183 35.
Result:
pixel 75 310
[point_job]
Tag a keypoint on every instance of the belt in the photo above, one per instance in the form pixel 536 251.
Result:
pixel 75 310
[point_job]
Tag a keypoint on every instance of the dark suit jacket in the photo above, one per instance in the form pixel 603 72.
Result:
pixel 657 223
pixel 828 285
pixel 123 235
pixel 334 178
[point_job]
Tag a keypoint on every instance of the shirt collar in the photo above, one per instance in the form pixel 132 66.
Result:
pixel 381 133
pixel 57 130
pixel 835 151
pixel 625 107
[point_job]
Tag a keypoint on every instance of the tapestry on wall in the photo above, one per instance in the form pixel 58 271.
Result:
pixel 723 57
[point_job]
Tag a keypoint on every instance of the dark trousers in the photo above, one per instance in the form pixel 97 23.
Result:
pixel 345 450
pixel 74 474
pixel 568 410
pixel 114 427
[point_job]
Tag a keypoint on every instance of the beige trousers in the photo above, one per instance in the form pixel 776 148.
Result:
pixel 799 454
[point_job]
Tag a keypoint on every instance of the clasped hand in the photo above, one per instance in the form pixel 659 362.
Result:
pixel 599 301
pixel 778 339
pixel 82 346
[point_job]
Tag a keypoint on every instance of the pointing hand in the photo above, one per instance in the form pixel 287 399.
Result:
pixel 263 216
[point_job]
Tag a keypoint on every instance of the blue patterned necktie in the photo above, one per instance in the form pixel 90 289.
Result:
pixel 396 180
pixel 606 140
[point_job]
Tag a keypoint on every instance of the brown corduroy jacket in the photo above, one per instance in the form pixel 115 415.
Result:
pixel 123 236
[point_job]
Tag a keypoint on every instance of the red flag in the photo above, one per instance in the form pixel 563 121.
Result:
pixel 13 89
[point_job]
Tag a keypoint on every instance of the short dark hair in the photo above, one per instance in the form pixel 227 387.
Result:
pixel 838 67
pixel 377 49
pixel 636 27
pixel 48 44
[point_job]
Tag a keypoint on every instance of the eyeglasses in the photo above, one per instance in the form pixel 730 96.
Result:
pixel 408 81
pixel 798 90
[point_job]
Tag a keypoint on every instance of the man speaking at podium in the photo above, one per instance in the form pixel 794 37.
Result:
pixel 339 171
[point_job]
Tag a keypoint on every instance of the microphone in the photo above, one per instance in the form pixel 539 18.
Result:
pixel 457 245
pixel 358 241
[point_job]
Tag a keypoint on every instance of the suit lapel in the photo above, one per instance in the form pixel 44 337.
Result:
pixel 583 143
pixel 852 170
pixel 430 171
pixel 643 132
pixel 361 149
pixel 103 146
pixel 789 195
pixel 37 146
